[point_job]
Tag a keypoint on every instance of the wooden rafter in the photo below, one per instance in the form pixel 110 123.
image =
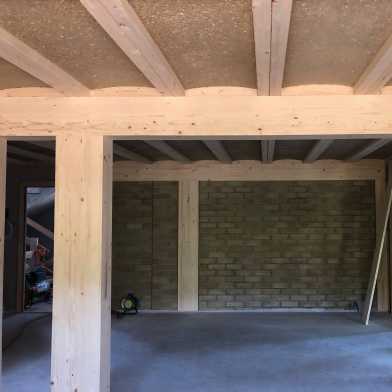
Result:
pixel 262 20
pixel 219 150
pixel 318 148
pixel 281 17
pixel 46 145
pixel 29 60
pixel 267 150
pixel 121 22
pixel 368 149
pixel 378 73
pixel 38 227
pixel 168 150
pixel 29 154
pixel 123 152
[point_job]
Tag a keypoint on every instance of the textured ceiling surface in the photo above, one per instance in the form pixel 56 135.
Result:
pixel 207 42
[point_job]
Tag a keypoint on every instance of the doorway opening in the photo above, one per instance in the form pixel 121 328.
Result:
pixel 38 249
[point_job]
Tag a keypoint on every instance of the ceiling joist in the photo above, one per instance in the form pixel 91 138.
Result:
pixel 378 73
pixel 123 152
pixel 368 149
pixel 267 150
pixel 262 21
pixel 29 60
pixel 281 17
pixel 121 22
pixel 168 150
pixel 29 154
pixel 46 145
pixel 271 25
pixel 219 150
pixel 318 148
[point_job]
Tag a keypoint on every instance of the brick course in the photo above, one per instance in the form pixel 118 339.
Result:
pixel 145 243
pixel 285 244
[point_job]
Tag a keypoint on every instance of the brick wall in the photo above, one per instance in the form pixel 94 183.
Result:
pixel 287 244
pixel 145 243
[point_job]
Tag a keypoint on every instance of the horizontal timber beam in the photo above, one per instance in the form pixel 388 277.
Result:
pixel 286 170
pixel 200 117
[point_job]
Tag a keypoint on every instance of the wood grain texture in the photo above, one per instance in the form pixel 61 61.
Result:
pixel 379 253
pixel 29 60
pixel 3 173
pixel 188 246
pixel 262 26
pixel 121 22
pixel 281 17
pixel 82 267
pixel 287 170
pixel 201 117
pixel 378 73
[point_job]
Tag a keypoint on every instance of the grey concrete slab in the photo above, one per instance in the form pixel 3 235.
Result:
pixel 226 352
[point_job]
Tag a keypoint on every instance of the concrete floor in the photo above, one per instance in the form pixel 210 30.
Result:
pixel 225 352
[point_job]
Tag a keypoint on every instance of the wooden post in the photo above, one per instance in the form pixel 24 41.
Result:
pixel 389 176
pixel 377 260
pixel 3 173
pixel 383 291
pixel 188 246
pixel 82 267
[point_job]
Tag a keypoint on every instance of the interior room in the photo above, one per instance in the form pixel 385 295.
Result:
pixel 195 195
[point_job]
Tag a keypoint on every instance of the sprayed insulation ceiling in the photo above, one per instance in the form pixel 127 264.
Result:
pixel 207 42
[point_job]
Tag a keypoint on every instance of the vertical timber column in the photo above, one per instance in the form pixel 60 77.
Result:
pixel 188 246
pixel 82 264
pixel 3 173
pixel 383 291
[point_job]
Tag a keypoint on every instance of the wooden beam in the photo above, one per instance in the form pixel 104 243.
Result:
pixel 378 73
pixel 168 150
pixel 200 117
pixel 128 154
pixel 121 22
pixel 82 266
pixel 287 170
pixel 267 150
pixel 3 175
pixel 29 154
pixel 377 259
pixel 262 26
pixel 219 150
pixel 389 247
pixel 16 161
pixel 29 60
pixel 41 229
pixel 188 245
pixel 318 148
pixel 382 287
pixel 368 149
pixel 281 17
